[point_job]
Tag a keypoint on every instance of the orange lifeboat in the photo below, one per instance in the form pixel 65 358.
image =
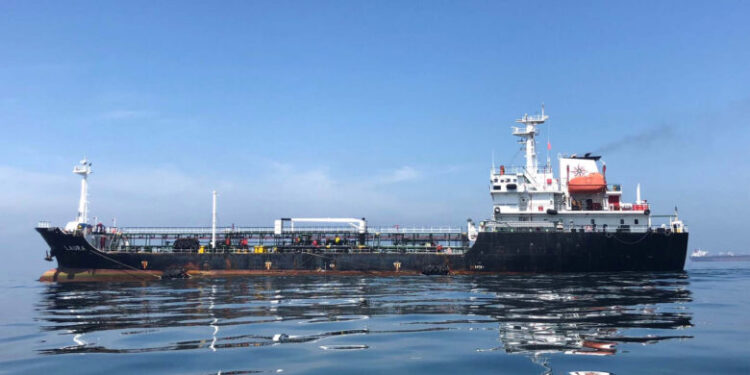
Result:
pixel 593 183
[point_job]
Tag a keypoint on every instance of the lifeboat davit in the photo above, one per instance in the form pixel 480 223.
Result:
pixel 592 183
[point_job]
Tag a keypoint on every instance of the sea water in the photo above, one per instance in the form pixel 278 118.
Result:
pixel 693 322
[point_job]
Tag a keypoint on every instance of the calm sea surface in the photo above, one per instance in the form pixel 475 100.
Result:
pixel 697 322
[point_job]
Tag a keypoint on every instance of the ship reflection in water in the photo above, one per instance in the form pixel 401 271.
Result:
pixel 538 316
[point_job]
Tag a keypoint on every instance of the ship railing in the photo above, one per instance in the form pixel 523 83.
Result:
pixel 191 230
pixel 404 249
pixel 625 228
pixel 519 224
pixel 374 230
pixel 302 229
pixel 531 226
pixel 416 230
pixel 520 169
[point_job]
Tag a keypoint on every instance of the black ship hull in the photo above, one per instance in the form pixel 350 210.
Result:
pixel 493 252
pixel 579 251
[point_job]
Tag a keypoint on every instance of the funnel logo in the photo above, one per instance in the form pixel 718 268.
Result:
pixel 579 171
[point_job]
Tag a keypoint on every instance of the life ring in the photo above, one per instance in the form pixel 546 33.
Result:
pixel 647 212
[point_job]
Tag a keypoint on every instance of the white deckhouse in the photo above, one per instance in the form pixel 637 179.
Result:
pixel 578 199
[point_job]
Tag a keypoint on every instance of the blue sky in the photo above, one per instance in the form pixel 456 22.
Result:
pixel 388 110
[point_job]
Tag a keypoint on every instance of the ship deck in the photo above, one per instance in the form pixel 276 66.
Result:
pixel 319 239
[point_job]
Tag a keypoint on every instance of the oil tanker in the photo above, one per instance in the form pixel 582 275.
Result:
pixel 540 222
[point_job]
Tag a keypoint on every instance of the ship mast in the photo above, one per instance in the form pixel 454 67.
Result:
pixel 84 170
pixel 527 134
pixel 213 221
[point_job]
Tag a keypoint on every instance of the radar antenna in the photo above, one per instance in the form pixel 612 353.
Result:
pixel 527 134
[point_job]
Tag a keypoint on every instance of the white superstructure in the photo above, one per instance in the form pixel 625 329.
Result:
pixel 579 198
pixel 84 170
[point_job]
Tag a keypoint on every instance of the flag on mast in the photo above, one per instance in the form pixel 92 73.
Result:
pixel 549 146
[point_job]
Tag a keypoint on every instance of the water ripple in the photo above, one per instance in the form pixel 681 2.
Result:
pixel 526 314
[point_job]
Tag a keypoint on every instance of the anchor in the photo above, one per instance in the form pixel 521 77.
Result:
pixel 48 257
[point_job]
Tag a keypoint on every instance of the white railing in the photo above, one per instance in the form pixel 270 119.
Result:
pixel 517 169
pixel 296 229
pixel 407 230
pixel 541 225
pixel 388 230
pixel 191 230
pixel 519 224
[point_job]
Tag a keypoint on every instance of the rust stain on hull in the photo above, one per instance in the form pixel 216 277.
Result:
pixel 103 275
pixel 88 275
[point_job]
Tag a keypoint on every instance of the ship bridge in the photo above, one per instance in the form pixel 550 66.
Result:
pixel 578 198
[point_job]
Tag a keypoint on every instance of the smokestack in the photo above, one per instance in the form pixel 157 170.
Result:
pixel 638 194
